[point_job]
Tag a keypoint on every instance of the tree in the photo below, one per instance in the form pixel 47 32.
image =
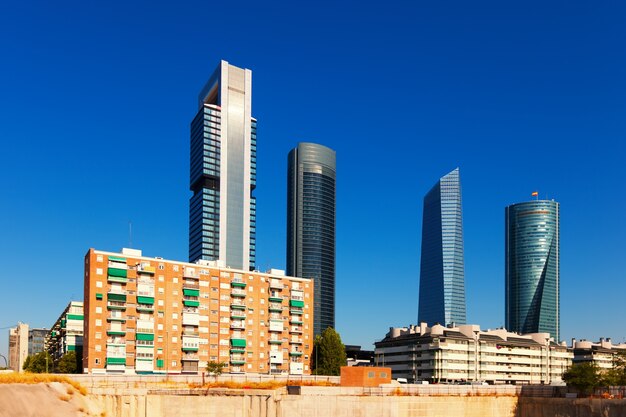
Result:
pixel 583 376
pixel 68 364
pixel 215 368
pixel 38 363
pixel 329 354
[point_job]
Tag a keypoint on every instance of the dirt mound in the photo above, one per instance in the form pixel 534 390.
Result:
pixel 52 399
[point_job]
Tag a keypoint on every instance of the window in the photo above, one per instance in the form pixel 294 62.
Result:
pixel 98 322
pixel 98 259
pixel 383 374
pixel 98 271
pixel 371 374
pixel 98 359
pixel 98 309
pixel 98 296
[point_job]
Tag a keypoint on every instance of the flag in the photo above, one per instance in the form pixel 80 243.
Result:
pixel 535 193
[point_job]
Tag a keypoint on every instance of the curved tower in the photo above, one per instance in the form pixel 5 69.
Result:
pixel 311 225
pixel 442 270
pixel 532 267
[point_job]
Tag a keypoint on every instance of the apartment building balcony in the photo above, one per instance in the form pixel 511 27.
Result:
pixel 275 297
pixel 238 282
pixel 145 308
pixel 295 353
pixel 190 332
pixel 116 305
pixel 191 284
pixel 190 357
pixel 237 315
pixel 276 325
pixel 275 340
pixel 191 301
pixel 190 344
pixel 296 320
pixel 296 310
pixel 237 304
pixel 116 315
pixel 275 307
pixel 295 329
pixel 237 350
pixel 146 269
pixel 276 284
pixel 116 332
pixel 296 303
pixel 191 319
pixel 190 273
pixel 295 341
pixel 237 292
pixel 237 359
pixel 238 324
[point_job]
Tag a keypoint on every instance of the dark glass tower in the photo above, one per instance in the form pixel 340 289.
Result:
pixel 442 271
pixel 532 267
pixel 311 225
pixel 222 210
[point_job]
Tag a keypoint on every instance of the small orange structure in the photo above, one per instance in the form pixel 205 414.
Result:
pixel 364 376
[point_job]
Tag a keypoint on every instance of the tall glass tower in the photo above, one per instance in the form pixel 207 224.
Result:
pixel 311 225
pixel 442 270
pixel 532 267
pixel 222 210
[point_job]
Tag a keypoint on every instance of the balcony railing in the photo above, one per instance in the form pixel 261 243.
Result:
pixel 194 285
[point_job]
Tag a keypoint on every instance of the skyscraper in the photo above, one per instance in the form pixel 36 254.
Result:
pixel 532 267
pixel 222 210
pixel 311 225
pixel 442 271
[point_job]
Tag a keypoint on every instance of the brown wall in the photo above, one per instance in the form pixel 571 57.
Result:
pixel 364 376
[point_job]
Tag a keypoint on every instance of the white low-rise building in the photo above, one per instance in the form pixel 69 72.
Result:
pixel 466 353
pixel 601 353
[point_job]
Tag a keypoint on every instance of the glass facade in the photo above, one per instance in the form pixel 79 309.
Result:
pixel 311 225
pixel 222 210
pixel 532 275
pixel 442 271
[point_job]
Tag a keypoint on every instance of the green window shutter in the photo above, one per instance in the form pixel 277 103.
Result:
pixel 194 293
pixel 116 361
pixel 296 303
pixel 145 336
pixel 191 303
pixel 116 297
pixel 238 342
pixel 98 296
pixel 75 317
pixel 117 259
pixel 159 363
pixel 117 272
pixel 145 300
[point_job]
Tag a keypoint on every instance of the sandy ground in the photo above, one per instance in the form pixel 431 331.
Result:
pixel 42 400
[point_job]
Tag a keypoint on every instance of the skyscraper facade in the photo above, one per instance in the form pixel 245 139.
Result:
pixel 532 275
pixel 311 225
pixel 442 271
pixel 222 210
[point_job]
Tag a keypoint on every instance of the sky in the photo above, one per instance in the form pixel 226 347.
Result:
pixel 96 101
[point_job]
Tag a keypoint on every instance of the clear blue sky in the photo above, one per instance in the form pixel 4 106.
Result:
pixel 96 101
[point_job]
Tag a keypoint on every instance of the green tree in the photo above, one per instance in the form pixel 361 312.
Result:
pixel 68 364
pixel 617 375
pixel 584 376
pixel 215 368
pixel 329 354
pixel 38 363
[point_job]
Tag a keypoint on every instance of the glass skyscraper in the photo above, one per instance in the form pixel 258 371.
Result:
pixel 222 210
pixel 442 271
pixel 311 225
pixel 532 267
